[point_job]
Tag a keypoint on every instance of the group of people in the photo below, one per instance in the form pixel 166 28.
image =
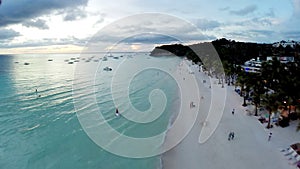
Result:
pixel 231 136
pixel 192 105
pixel 36 92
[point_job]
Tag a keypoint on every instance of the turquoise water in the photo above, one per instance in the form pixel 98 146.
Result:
pixel 41 130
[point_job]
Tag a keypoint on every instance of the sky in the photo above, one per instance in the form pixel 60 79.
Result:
pixel 70 26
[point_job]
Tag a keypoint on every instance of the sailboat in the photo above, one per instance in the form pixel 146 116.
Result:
pixel 117 112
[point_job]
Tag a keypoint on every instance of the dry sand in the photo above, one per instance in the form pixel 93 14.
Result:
pixel 250 148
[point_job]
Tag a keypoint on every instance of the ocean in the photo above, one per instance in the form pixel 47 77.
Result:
pixel 39 123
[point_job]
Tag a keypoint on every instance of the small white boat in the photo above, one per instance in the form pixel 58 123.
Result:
pixel 117 113
pixel 110 55
pixel 104 58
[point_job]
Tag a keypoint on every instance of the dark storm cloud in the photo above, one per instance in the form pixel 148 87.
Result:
pixel 244 11
pixel 12 12
pixel 8 34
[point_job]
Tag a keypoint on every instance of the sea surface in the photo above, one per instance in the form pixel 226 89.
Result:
pixel 39 126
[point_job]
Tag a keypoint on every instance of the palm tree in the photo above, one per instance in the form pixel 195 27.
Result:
pixel 271 104
pixel 229 71
pixel 257 86
pixel 242 80
pixel 271 72
pixel 289 85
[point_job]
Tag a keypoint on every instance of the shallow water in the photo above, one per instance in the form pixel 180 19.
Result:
pixel 41 130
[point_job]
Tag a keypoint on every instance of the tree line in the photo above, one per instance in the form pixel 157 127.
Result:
pixel 276 85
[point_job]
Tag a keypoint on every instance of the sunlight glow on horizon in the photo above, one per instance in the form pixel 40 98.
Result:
pixel 50 32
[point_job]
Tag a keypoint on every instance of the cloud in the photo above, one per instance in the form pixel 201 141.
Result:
pixel 13 12
pixel 296 5
pixel 270 13
pixel 244 11
pixel 74 14
pixel 150 38
pixel 257 22
pixel 292 35
pixel 39 23
pixel 205 24
pixel 225 8
pixel 40 42
pixel 8 34
pixel 254 35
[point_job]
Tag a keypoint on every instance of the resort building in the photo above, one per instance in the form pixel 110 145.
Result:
pixel 254 65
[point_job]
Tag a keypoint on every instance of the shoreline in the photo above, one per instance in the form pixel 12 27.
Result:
pixel 249 145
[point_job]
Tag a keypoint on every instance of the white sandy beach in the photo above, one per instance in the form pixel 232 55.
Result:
pixel 250 147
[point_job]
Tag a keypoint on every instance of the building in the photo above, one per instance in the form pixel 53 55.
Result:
pixel 254 65
pixel 282 59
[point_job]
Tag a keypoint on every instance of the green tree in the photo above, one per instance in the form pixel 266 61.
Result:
pixel 255 83
pixel 270 101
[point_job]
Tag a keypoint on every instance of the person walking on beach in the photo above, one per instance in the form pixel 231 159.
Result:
pixel 270 135
pixel 232 112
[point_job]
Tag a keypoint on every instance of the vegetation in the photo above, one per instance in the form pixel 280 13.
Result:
pixel 277 85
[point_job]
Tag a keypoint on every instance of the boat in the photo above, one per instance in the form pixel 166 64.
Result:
pixel 70 62
pixel 117 113
pixel 104 58
pixel 110 55
pixel 50 60
pixel 26 63
pixel 107 68
pixel 115 57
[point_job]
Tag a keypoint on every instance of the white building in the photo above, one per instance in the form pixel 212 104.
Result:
pixel 252 66
pixel 282 59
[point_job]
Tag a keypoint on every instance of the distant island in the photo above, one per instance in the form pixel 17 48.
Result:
pixel 231 51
